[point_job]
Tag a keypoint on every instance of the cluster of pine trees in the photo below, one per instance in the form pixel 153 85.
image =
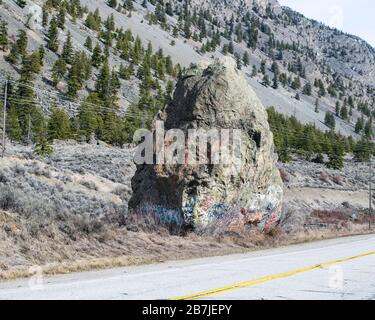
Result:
pixel 291 136
pixel 99 115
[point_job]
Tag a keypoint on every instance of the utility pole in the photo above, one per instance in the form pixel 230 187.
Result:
pixel 370 194
pixel 4 116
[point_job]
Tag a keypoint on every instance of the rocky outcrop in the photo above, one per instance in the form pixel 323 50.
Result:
pixel 207 97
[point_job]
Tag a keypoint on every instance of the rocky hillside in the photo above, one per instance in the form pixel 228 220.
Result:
pixel 295 64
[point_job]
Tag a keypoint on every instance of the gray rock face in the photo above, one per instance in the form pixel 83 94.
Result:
pixel 207 97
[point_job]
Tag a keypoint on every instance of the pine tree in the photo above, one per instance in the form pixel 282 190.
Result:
pixel 322 90
pixel 336 157
pixel 231 47
pixel 275 81
pixel 112 3
pixel 307 89
pixel 3 36
pixel 102 84
pixel 115 85
pixel 53 43
pixel 61 17
pixel 128 4
pixel 344 113
pixel 368 130
pixel 359 125
pixel 44 16
pixel 89 120
pixel 317 105
pixel 19 48
pixel 296 84
pixel 362 151
pixel 58 70
pixel 21 3
pixel 26 107
pixel 337 108
pixel 43 147
pixel 42 54
pixel 329 120
pixel 96 57
pixel 88 43
pixel 59 125
pixel 245 59
pixel 263 67
pixel 238 61
pixel 67 52
pixel 13 127
pixel 74 78
pixel 254 71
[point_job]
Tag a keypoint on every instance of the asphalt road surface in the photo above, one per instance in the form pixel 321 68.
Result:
pixel 333 269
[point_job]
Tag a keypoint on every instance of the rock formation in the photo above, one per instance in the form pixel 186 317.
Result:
pixel 207 97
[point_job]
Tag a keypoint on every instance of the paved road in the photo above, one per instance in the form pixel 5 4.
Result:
pixel 333 269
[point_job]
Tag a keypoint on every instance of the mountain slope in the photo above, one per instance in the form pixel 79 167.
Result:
pixel 302 48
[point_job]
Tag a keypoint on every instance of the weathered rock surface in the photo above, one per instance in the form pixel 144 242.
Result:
pixel 207 97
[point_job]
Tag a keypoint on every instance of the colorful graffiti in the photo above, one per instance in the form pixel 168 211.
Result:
pixel 251 217
pixel 269 223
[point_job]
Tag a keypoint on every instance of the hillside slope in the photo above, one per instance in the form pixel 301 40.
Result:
pixel 303 49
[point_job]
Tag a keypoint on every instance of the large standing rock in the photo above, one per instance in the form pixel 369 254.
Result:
pixel 206 97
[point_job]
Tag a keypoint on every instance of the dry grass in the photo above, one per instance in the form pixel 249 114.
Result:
pixel 93 245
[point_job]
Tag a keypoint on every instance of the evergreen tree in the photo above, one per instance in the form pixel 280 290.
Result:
pixel 359 125
pixel 3 36
pixel 44 16
pixel 338 108
pixel 67 52
pixel 296 84
pixel 307 89
pixel 102 85
pixel 43 146
pixel 19 48
pixel 275 81
pixel 59 125
pixel 128 4
pixel 336 157
pixel 90 122
pixel 88 43
pixel 368 129
pixel 112 3
pixel 58 70
pixel 317 105
pixel 254 71
pixel 61 17
pixel 329 120
pixel 21 3
pixel 52 42
pixel 362 151
pixel 13 127
pixel 97 56
pixel 322 90
pixel 42 54
pixel 344 113
pixel 245 59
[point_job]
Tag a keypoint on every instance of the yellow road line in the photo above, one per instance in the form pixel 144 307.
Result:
pixel 254 282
